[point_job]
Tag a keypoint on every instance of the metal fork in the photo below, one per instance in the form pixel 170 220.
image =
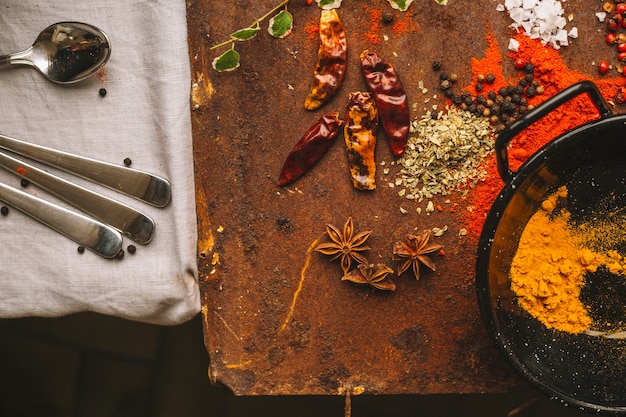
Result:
pixel 132 223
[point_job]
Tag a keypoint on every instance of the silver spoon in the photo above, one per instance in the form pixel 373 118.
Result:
pixel 65 52
pixel 96 236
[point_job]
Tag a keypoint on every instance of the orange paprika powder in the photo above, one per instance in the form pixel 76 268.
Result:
pixel 554 75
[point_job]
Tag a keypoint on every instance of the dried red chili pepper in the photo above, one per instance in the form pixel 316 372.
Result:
pixel 311 147
pixel 360 136
pixel 331 60
pixel 391 100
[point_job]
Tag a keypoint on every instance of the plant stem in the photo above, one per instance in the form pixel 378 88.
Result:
pixel 252 26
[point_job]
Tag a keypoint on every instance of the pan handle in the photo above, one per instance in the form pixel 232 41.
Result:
pixel 544 108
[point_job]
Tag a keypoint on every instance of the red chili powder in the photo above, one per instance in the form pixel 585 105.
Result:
pixel 406 25
pixel 554 75
pixel 313 30
pixel 372 35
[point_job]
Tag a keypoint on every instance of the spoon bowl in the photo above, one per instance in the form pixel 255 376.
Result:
pixel 65 52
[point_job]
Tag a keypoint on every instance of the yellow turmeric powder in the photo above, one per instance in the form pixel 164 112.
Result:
pixel 549 266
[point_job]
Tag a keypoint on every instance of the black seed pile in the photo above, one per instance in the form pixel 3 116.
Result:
pixel 501 107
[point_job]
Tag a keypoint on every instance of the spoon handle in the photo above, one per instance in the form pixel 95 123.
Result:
pixel 127 220
pixel 18 58
pixel 93 235
pixel 141 185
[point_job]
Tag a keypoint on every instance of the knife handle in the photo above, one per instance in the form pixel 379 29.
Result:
pixel 141 185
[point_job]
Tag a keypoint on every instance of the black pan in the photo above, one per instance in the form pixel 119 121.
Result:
pixel 582 370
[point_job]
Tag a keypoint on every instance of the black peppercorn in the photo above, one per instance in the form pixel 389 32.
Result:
pixel 529 78
pixel 472 108
pixel 529 68
pixel 503 92
pixel 491 95
pixel 102 92
pixel 448 93
pixel 523 82
pixel 24 182
pixel 490 78
pixel 508 107
pixel 468 100
pixel 131 249
pixel 479 87
pixel 516 98
pixel 530 92
pixel 519 90
pixel 387 18
pixel 4 210
pixel 510 90
pixel 457 99
pixel 127 161
pixel 81 249
pixel 436 66
pixel 120 254
pixel 481 99
pixel 443 75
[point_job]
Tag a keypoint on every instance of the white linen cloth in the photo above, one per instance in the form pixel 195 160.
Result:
pixel 144 116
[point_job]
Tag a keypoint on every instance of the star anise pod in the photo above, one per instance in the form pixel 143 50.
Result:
pixel 345 245
pixel 413 250
pixel 374 275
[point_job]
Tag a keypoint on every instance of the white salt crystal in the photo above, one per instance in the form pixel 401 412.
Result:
pixel 500 7
pixel 513 45
pixel 529 4
pixel 573 33
pixel 510 4
pixel 540 19
pixel 600 15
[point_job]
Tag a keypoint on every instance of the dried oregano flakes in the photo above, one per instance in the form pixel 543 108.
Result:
pixel 445 152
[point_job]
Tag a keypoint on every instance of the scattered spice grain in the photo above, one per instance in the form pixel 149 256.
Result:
pixel 127 162
pixel 102 92
pixel 4 210
pixel 132 249
pixel 81 249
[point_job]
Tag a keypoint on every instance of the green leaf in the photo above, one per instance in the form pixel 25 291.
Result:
pixel 245 34
pixel 228 61
pixel 401 5
pixel 328 4
pixel 280 26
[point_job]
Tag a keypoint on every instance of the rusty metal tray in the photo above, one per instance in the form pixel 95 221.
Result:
pixel 277 317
